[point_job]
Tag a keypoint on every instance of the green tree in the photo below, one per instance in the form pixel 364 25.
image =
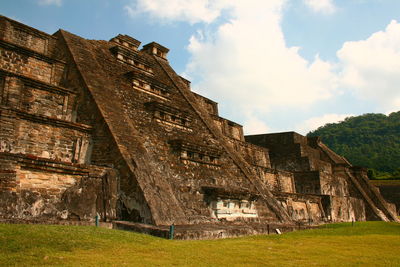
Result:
pixel 370 140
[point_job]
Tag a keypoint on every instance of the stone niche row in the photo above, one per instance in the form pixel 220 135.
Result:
pixel 170 116
pixel 231 204
pixel 132 58
pixel 195 154
pixel 148 85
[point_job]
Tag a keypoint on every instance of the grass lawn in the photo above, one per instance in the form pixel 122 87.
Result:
pixel 365 244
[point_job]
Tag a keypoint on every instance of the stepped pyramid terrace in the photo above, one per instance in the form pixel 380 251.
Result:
pixel 93 127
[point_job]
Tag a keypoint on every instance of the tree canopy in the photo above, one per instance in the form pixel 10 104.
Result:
pixel 370 140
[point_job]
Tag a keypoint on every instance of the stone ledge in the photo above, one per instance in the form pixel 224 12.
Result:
pixel 247 144
pixel 238 193
pixel 43 164
pixel 180 144
pixel 134 54
pixel 209 231
pixel 155 105
pixel 18 25
pixel 55 122
pixel 49 121
pixel 273 171
pixel 299 196
pixel 131 42
pixel 28 52
pixel 130 75
pixel 37 83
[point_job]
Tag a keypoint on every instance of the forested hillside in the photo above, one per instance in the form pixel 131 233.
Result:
pixel 369 140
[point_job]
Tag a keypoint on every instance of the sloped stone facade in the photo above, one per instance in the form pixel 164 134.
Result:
pixel 102 127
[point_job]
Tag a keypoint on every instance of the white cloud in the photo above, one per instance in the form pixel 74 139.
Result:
pixel 244 63
pixel 191 11
pixel 371 67
pixel 50 2
pixel 247 64
pixel 255 126
pixel 315 122
pixel 321 6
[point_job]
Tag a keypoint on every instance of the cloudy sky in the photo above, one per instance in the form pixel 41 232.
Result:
pixel 272 65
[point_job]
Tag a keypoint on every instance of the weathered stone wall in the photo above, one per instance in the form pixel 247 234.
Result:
pixel 344 209
pixel 254 155
pixel 390 190
pixel 291 151
pixel 45 103
pixel 285 181
pixel 94 195
pixel 103 151
pixel 319 170
pixel 276 180
pixel 39 143
pixel 28 66
pixel 269 177
pixel 51 142
pixel 8 174
pixel 335 185
pixel 93 127
pixel 308 182
pixel 196 161
pixel 258 157
pixel 208 104
pixel 35 98
pixel 38 189
pixel 303 208
pixel 53 183
pixel 2 81
pixel 29 52
pixel 43 137
pixel 377 203
pixel 25 36
pixel 228 128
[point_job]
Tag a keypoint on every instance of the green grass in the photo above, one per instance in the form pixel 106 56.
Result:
pixel 365 244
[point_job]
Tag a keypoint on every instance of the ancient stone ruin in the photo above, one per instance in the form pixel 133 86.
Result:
pixel 103 127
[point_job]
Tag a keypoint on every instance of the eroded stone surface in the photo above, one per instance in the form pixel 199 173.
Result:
pixel 96 127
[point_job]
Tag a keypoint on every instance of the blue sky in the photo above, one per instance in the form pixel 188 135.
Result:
pixel 276 65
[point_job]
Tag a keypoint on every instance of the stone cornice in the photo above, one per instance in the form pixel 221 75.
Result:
pixel 179 145
pixel 300 197
pixel 237 193
pixel 37 83
pixel 26 28
pixel 43 164
pixel 28 52
pixel 54 122
pixel 49 121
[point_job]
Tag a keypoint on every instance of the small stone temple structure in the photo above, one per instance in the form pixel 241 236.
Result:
pixel 105 127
